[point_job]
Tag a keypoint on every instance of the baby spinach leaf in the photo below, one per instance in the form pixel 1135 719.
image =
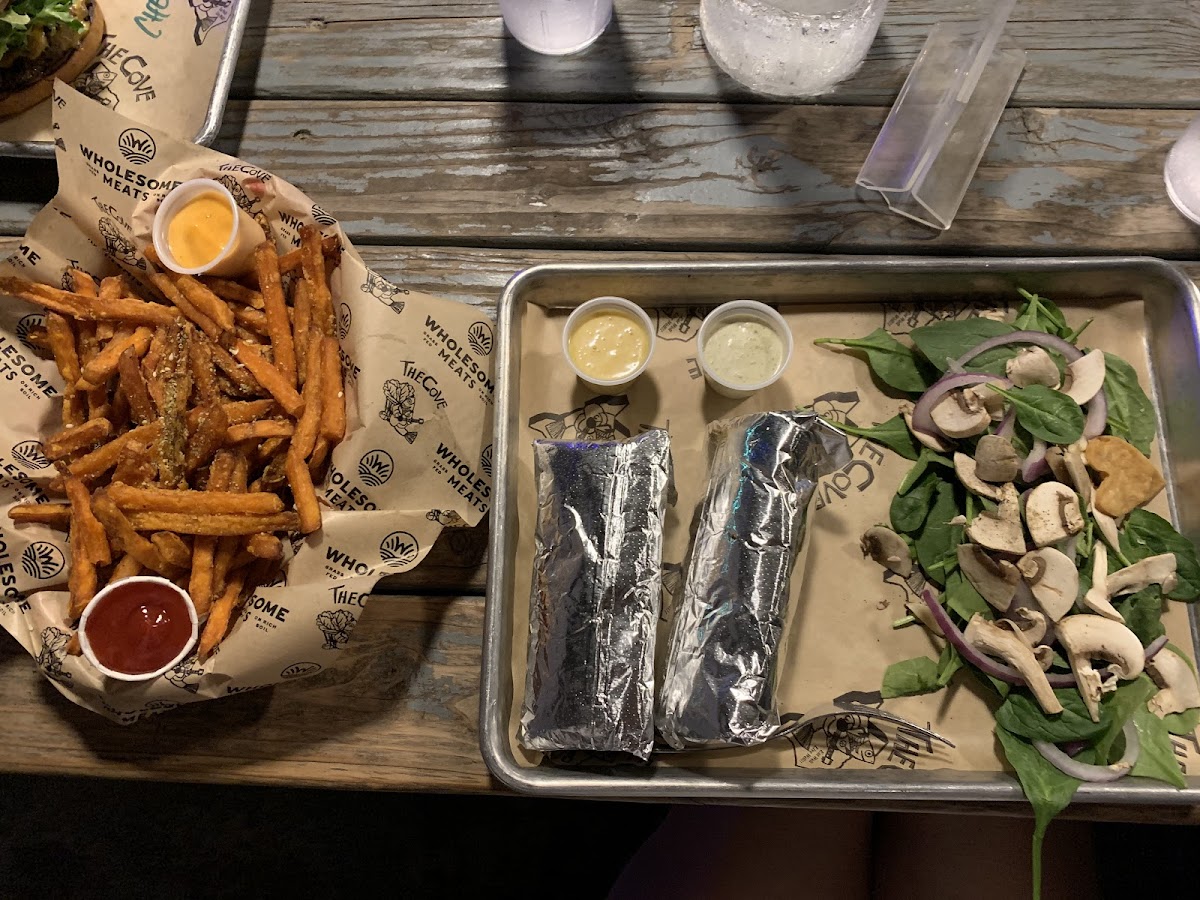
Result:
pixel 1022 715
pixel 1146 534
pixel 1045 413
pixel 1130 413
pixel 962 598
pixel 948 663
pixel 1073 336
pixel 908 511
pixel 1117 708
pixel 894 363
pixel 1186 721
pixel 1048 790
pixel 1040 314
pixel 942 342
pixel 1157 758
pixel 909 677
pixel 925 459
pixel 893 434
pixel 1143 613
pixel 937 540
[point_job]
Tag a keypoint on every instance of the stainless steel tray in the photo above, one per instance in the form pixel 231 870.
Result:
pixel 1173 343
pixel 216 102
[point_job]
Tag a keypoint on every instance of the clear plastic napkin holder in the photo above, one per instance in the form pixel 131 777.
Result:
pixel 943 119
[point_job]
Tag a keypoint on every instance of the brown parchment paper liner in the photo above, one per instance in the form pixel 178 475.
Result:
pixel 157 65
pixel 840 639
pixel 419 400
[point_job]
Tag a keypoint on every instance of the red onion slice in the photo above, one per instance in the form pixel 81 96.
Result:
pixel 1035 466
pixel 1097 415
pixel 921 417
pixel 981 661
pixel 1007 424
pixel 1095 774
pixel 1053 342
pixel 1154 646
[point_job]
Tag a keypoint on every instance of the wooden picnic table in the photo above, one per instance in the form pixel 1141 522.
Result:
pixel 454 158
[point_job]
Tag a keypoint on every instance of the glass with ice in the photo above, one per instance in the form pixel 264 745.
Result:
pixel 789 48
pixel 556 27
pixel 1182 172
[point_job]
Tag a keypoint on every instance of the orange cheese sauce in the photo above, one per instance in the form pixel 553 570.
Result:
pixel 199 230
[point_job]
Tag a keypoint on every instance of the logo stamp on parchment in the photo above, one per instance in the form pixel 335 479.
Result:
pixel 480 337
pixel 384 291
pixel 376 468
pixel 137 146
pixel 596 420
pixel 399 408
pixel 42 560
pixel 29 455
pixel 335 625
pixel 399 550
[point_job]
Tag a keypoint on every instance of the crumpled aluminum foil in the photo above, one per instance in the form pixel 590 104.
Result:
pixel 719 685
pixel 596 594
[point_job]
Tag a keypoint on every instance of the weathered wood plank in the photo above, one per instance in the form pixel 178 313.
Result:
pixel 704 176
pixel 399 711
pixel 1081 53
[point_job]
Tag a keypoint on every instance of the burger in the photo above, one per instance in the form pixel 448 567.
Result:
pixel 41 40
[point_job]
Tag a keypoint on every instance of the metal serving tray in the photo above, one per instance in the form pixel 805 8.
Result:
pixel 216 102
pixel 1172 307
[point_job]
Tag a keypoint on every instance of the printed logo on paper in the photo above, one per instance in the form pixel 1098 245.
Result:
pixel 384 291
pixel 447 518
pixel 243 199
pixel 29 455
pixel 901 318
pixel 300 669
pixel 678 323
pixel 186 675
pixel 97 82
pixel 461 475
pixel 322 218
pixel 399 550
pixel 335 625
pixel 210 14
pixel 485 460
pixel 343 321
pixel 137 146
pixel 834 741
pixel 117 245
pixel 27 324
pixel 596 420
pixel 42 560
pixel 399 408
pixel 54 651
pixel 376 468
pixel 858 474
pixel 480 338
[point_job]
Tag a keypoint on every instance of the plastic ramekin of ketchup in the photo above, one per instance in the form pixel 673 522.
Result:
pixel 608 342
pixel 200 229
pixel 137 628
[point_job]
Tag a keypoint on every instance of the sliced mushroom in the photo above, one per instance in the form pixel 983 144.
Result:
pixel 995 459
pixel 920 611
pixel 1031 624
pixel 1085 377
pixel 1000 529
pixel 1096 598
pixel 1077 470
pixel 1143 573
pixel 1052 513
pixel 1054 459
pixel 981 395
pixel 1032 365
pixel 996 580
pixel 955 418
pixel 1043 653
pixel 932 441
pixel 1053 579
pixel 888 549
pixel 964 468
pixel 1086 637
pixel 1177 687
pixel 989 638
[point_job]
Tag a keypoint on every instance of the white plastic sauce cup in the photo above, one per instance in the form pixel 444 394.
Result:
pixel 743 309
pixel 236 258
pixel 599 304
pixel 86 645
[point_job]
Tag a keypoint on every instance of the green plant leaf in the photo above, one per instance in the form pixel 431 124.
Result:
pixel 1118 708
pixel 1143 613
pixel 943 342
pixel 1157 757
pixel 962 598
pixel 937 540
pixel 1130 412
pixel 909 511
pixel 892 362
pixel 908 677
pixel 1040 314
pixel 893 434
pixel 1145 534
pixel 925 459
pixel 1186 721
pixel 1045 413
pixel 948 663
pixel 1021 715
pixel 1048 790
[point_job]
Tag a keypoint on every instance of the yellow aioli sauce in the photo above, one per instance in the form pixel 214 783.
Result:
pixel 199 230
pixel 608 344
pixel 743 350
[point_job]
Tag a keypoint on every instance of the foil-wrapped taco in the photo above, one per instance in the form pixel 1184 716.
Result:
pixel 595 597
pixel 718 688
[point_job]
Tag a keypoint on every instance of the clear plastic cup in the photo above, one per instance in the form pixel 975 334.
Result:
pixel 1182 172
pixel 556 27
pixel 718 378
pixel 86 646
pixel 599 304
pixel 236 258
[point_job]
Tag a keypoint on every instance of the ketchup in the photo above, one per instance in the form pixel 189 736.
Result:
pixel 139 627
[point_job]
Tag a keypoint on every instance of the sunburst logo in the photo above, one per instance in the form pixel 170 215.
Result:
pixel 344 319
pixel 29 454
pixel 136 146
pixel 376 467
pixel 42 560
pixel 399 550
pixel 479 336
